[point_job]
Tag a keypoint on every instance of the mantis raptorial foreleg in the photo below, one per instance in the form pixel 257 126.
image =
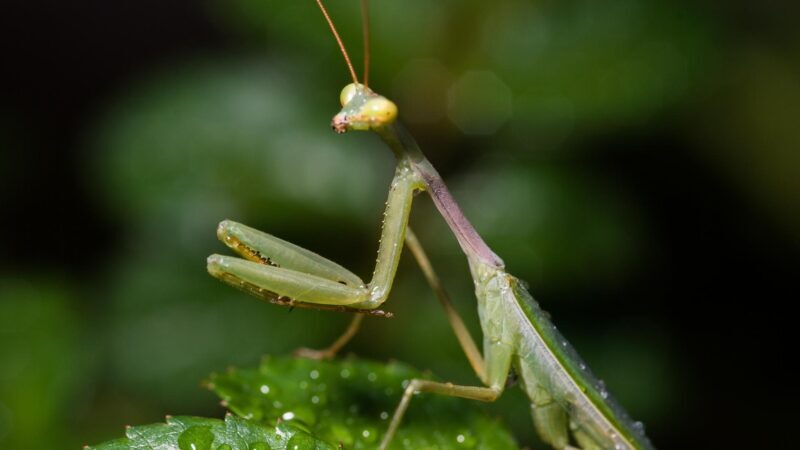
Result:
pixel 273 268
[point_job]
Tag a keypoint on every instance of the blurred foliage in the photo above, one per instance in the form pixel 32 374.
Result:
pixel 752 129
pixel 43 363
pixel 351 402
pixel 569 224
pixel 195 144
pixel 502 95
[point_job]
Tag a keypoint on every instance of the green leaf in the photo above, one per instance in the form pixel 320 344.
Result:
pixel 350 402
pixel 197 433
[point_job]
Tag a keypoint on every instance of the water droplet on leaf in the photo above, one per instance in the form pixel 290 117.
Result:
pixel 196 438
pixel 301 441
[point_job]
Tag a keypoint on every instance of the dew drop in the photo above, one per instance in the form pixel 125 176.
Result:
pixel 372 376
pixel 196 438
pixel 264 389
pixel 601 386
pixel 301 441
pixel 384 415
pixel 460 438
pixel 315 399
pixel 369 435
pixel 260 446
pixel 344 373
pixel 288 415
pixel 638 426
pixel 314 374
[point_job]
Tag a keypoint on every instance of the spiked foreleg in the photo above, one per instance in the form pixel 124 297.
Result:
pixel 275 268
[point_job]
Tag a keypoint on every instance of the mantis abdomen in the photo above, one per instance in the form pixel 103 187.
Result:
pixel 566 398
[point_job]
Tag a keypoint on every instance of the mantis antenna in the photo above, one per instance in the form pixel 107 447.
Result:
pixel 365 28
pixel 339 41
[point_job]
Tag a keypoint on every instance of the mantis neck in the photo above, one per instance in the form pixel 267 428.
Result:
pixel 397 137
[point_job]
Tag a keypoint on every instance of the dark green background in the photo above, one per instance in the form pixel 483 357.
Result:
pixel 636 161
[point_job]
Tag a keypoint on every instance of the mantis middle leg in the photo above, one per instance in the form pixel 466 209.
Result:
pixel 459 329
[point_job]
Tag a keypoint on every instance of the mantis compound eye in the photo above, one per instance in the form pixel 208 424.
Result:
pixel 348 93
pixel 379 110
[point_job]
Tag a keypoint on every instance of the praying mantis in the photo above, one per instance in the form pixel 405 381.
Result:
pixel 569 405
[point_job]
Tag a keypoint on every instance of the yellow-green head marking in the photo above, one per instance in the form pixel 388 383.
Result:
pixel 363 109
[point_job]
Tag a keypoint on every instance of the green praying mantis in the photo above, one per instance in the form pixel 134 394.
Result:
pixel 569 405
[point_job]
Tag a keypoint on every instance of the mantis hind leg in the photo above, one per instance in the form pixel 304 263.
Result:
pixel 417 385
pixel 498 364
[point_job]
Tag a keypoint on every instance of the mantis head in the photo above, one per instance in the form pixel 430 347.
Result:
pixel 363 109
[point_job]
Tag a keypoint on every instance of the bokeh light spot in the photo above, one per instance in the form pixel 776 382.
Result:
pixel 479 103
pixel 421 87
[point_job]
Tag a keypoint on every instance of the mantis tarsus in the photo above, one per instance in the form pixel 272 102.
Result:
pixel 566 399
